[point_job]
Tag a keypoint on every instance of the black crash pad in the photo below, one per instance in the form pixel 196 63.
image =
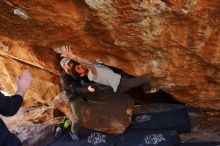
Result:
pixel 177 119
pixel 137 138
pixel 163 138
pixel 87 138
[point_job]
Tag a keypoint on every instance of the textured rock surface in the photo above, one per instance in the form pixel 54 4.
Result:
pixel 204 127
pixel 45 85
pixel 34 115
pixel 176 41
pixel 107 113
pixel 35 134
pixel 33 125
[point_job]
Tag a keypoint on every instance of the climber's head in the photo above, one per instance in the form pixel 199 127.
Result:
pixel 81 69
pixel 69 66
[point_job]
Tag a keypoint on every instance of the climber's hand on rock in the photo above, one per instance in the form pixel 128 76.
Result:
pixel 66 51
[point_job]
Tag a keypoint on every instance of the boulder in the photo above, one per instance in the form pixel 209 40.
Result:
pixel 108 113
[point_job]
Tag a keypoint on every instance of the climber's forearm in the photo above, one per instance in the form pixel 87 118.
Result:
pixel 80 60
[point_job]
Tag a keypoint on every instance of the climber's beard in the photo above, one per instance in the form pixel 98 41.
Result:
pixel 72 72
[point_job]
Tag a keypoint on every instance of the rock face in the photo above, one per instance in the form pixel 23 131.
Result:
pixel 175 41
pixel 33 124
pixel 34 134
pixel 45 85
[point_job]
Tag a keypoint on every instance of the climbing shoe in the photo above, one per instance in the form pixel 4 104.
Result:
pixel 74 136
pixel 152 90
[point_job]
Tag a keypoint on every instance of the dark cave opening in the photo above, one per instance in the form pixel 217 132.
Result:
pixel 57 113
pixel 141 98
